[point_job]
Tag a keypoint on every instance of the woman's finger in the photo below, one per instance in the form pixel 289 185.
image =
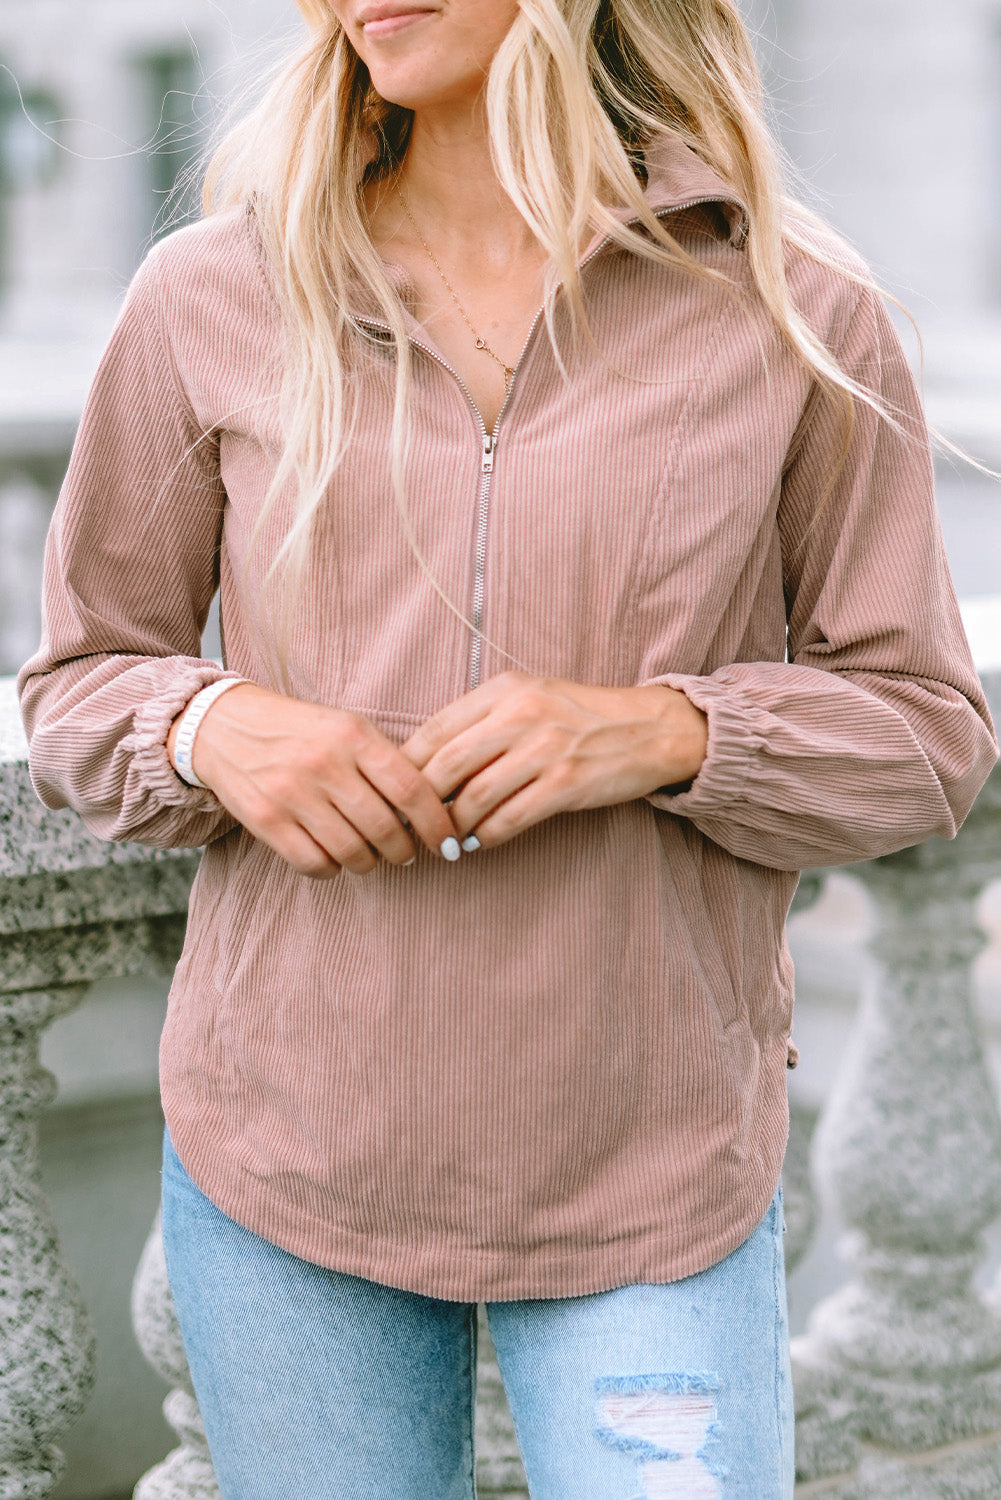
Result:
pixel 295 845
pixel 460 715
pixel 491 788
pixel 531 803
pixel 358 829
pixel 543 759
pixel 464 757
pixel 409 794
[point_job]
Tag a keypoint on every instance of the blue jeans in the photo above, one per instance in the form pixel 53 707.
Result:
pixel 318 1385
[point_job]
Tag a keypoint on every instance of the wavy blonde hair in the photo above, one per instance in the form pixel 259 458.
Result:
pixel 576 91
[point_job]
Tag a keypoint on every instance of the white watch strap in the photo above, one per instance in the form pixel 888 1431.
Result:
pixel 187 728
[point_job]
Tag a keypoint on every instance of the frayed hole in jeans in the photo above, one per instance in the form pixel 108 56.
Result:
pixel 666 1423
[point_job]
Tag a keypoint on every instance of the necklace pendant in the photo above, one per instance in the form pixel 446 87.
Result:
pixel 481 344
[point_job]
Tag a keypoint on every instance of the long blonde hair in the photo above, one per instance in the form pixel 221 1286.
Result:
pixel 576 90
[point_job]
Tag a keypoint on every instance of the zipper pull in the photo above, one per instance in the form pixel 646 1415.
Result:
pixel 489 445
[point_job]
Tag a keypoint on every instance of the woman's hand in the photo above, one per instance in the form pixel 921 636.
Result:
pixel 520 748
pixel 320 786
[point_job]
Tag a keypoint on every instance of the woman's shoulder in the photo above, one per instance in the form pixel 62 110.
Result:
pixel 831 283
pixel 195 272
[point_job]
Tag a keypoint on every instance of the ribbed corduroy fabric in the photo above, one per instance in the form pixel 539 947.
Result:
pixel 558 1066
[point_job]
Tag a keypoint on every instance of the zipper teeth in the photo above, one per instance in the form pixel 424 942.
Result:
pixel 480 566
pixel 486 474
pixel 490 439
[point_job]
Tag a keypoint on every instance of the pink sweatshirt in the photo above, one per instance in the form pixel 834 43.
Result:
pixel 557 1066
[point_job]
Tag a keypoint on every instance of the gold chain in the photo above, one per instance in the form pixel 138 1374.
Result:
pixel 481 342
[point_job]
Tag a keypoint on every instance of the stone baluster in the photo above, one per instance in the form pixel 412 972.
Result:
pixel 499 1472
pixel 798 1196
pixel 72 910
pixel 898 1378
pixel 187 1473
pixel 46 1343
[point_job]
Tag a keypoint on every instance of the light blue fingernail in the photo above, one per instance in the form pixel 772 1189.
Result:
pixel 450 850
pixel 471 844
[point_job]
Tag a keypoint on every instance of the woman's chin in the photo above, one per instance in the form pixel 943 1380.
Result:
pixel 423 95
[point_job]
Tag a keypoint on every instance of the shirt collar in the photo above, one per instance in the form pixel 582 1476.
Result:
pixel 677 176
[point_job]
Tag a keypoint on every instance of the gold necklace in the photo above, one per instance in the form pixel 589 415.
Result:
pixel 481 342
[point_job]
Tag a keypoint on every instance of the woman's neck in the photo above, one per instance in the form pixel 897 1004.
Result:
pixel 450 182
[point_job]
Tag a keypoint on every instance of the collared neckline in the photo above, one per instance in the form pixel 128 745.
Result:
pixel 676 177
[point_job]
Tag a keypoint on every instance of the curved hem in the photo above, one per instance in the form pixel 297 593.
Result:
pixel 457 1273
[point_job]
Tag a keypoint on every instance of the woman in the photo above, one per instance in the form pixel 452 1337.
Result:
pixel 571 507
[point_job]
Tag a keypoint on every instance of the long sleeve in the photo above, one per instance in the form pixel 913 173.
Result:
pixel 874 733
pixel 130 570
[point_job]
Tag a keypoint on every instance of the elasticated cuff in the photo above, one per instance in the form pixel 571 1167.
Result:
pixel 736 734
pixel 147 743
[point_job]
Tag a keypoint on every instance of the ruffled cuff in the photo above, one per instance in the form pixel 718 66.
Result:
pixel 737 732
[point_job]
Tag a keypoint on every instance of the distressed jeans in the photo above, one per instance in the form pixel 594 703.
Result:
pixel 323 1386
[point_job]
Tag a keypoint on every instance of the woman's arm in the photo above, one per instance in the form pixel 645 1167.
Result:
pixel 130 571
pixel 872 736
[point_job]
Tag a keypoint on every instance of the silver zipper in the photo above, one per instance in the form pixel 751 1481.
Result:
pixel 480 560
pixel 489 441
pixel 490 447
pixel 488 451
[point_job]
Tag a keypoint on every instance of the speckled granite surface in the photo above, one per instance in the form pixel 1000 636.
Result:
pixel 55 845
pixel 73 909
pixel 54 875
pixel 67 916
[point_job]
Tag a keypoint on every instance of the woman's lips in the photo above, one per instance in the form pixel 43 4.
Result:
pixel 387 26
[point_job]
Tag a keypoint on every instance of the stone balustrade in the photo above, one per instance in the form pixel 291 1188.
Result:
pixel 898 1376
pixel 72 910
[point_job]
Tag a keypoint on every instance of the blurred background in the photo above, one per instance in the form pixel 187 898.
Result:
pixel 890 111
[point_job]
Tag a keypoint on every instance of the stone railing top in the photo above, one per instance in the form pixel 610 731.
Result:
pixel 54 872
pixel 37 844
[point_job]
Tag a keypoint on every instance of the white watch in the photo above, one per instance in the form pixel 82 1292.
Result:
pixel 191 718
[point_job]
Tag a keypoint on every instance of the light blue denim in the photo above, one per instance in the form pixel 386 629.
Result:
pixel 318 1385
